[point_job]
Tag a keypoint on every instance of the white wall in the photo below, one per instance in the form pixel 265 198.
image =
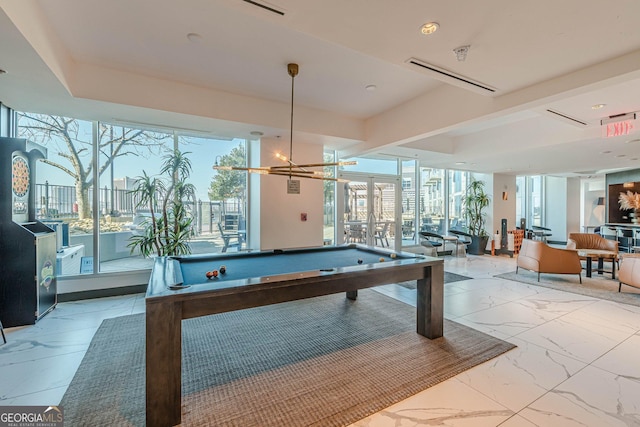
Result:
pixel 504 208
pixel 573 206
pixel 591 190
pixel 562 204
pixel 555 205
pixel 254 225
pixel 280 224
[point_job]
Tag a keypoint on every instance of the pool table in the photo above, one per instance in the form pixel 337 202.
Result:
pixel 179 289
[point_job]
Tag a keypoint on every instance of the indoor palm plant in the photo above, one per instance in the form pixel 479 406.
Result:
pixel 168 226
pixel 475 202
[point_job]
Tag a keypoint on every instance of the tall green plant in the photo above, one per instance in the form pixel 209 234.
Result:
pixel 168 229
pixel 475 202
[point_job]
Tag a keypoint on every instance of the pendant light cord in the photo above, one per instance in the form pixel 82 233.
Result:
pixel 293 77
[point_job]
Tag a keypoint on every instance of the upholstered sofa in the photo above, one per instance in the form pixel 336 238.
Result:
pixel 539 257
pixel 629 273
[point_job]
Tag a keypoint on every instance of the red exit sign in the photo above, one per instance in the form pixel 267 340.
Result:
pixel 618 128
pixel 619 125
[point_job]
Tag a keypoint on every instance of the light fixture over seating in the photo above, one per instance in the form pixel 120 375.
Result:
pixel 290 168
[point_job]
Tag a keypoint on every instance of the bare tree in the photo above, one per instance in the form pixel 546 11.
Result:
pixel 74 151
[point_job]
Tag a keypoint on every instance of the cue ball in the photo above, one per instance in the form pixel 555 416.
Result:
pixel 223 269
pixel 393 256
pixel 359 261
pixel 381 259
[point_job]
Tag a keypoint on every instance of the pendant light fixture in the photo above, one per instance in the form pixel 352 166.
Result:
pixel 290 168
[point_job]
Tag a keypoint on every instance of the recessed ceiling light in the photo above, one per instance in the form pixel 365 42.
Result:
pixel 429 28
pixel 598 106
pixel 194 37
pixel 256 133
pixel 621 155
pixel 633 158
pixel 371 88
pixel 605 152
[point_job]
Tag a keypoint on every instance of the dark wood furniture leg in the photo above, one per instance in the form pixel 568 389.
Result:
pixel 164 352
pixel 613 269
pixel 600 265
pixel 352 295
pixel 589 261
pixel 430 302
pixel 2 331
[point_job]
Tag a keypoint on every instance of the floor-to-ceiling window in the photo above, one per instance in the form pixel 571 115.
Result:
pixel 529 200
pixel 114 159
pixel 65 183
pixel 329 195
pixel 457 189
pixel 409 201
pixel 432 200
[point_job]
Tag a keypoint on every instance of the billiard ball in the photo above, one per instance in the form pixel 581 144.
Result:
pixel 393 256
pixel 209 274
pixel 359 261
pixel 223 269
pixel 381 259
pixel 214 273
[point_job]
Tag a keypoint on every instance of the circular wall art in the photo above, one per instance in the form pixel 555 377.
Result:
pixel 20 176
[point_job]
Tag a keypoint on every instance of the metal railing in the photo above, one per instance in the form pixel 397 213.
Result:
pixel 60 202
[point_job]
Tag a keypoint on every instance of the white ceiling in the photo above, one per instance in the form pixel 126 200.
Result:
pixel 132 61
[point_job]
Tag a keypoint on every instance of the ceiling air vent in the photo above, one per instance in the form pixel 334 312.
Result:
pixel 451 78
pixel 265 6
pixel 568 118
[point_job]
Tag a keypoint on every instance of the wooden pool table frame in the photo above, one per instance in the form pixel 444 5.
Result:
pixel 165 310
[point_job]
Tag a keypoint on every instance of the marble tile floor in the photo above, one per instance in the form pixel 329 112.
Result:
pixel 576 363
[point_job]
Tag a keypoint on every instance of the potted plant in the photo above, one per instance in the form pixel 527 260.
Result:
pixel 166 228
pixel 474 203
pixel 630 201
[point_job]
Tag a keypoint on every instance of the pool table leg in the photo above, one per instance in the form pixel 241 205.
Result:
pixel 352 295
pixel 163 363
pixel 430 302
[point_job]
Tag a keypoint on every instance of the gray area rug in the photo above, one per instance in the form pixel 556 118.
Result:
pixel 448 278
pixel 596 286
pixel 325 361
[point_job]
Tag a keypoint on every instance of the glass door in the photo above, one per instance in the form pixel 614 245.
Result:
pixel 369 206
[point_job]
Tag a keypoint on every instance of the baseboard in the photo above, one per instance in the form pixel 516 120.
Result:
pixel 101 293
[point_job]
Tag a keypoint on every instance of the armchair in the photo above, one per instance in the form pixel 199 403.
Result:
pixel 539 257
pixel 593 241
pixel 629 273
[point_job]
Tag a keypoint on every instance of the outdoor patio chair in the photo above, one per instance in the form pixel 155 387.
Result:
pixel 230 240
pixel 382 234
